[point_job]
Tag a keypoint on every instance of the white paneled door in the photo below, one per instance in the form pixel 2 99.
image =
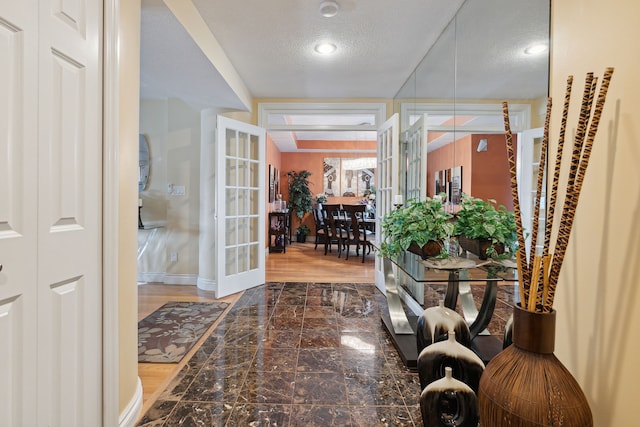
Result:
pixel 240 206
pixel 50 213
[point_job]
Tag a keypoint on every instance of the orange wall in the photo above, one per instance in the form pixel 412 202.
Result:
pixel 449 156
pixel 490 178
pixel 314 163
pixel 484 175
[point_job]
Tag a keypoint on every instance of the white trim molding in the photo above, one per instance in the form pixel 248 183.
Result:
pixel 110 208
pixel 378 109
pixel 180 279
pixel 519 114
pixel 207 284
pixel 131 413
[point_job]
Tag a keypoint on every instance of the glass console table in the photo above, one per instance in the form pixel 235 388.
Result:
pixel 428 282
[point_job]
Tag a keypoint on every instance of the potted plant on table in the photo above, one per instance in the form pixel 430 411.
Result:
pixel 300 200
pixel 419 226
pixel 485 230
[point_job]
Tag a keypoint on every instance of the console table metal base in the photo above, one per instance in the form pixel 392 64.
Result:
pixel 405 344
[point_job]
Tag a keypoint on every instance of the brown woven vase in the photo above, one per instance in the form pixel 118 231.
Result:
pixel 526 385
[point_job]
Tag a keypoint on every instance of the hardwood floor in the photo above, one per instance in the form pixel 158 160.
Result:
pixel 301 263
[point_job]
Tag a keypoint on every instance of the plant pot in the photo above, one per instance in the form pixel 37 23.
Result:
pixel 430 249
pixel 479 246
pixel 301 238
pixel 526 385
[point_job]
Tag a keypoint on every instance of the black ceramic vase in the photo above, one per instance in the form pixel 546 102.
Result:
pixel 435 323
pixel 448 402
pixel 466 365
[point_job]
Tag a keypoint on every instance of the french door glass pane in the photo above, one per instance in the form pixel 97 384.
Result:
pixel 253 256
pixel 243 141
pixel 254 148
pixel 230 261
pixel 231 201
pixel 231 172
pixel 254 202
pixel 243 231
pixel 231 143
pixel 243 202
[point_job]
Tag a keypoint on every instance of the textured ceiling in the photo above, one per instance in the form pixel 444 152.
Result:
pixel 270 44
pixel 476 55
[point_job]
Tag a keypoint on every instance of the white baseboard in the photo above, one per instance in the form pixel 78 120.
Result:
pixel 180 279
pixel 130 415
pixel 150 278
pixel 207 284
pixel 168 279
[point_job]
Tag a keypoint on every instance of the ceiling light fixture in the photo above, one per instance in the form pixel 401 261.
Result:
pixel 534 49
pixel 329 8
pixel 325 48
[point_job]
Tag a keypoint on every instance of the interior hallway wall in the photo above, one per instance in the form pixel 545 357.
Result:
pixel 173 131
pixel 598 295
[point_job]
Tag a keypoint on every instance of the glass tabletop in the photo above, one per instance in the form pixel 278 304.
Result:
pixel 445 270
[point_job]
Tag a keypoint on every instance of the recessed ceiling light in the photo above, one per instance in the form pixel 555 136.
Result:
pixel 325 48
pixel 329 8
pixel 534 49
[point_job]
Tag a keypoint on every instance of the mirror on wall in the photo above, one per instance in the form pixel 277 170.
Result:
pixel 482 58
pixel 144 162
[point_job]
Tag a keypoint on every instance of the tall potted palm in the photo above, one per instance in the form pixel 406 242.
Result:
pixel 300 200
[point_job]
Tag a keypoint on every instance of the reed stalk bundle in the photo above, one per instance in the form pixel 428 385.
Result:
pixel 539 272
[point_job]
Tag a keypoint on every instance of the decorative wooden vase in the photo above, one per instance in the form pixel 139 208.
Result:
pixel 526 385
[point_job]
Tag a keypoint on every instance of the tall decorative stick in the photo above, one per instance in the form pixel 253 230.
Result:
pixel 556 172
pixel 569 211
pixel 523 265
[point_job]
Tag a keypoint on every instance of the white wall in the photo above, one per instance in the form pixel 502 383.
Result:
pixel 598 294
pixel 173 132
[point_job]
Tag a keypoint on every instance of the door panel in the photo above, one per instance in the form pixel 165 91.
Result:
pixel 388 153
pixel 240 199
pixel 417 159
pixel 50 210
pixel 69 206
pixel 18 192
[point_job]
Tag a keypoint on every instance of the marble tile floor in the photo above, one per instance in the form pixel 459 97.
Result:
pixel 294 354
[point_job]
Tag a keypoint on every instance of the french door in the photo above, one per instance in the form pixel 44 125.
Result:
pixel 416 161
pixel 50 213
pixel 388 158
pixel 240 206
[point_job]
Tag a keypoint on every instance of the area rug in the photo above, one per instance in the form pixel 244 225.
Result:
pixel 168 333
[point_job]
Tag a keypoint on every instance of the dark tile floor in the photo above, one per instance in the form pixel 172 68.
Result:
pixel 298 354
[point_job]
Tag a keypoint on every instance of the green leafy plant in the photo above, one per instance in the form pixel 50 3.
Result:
pixel 480 219
pixel 417 222
pixel 300 197
pixel 303 230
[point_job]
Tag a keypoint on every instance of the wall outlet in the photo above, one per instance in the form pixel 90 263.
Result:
pixel 174 256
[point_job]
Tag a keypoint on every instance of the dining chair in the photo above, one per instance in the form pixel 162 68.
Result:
pixel 356 232
pixel 330 213
pixel 321 234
